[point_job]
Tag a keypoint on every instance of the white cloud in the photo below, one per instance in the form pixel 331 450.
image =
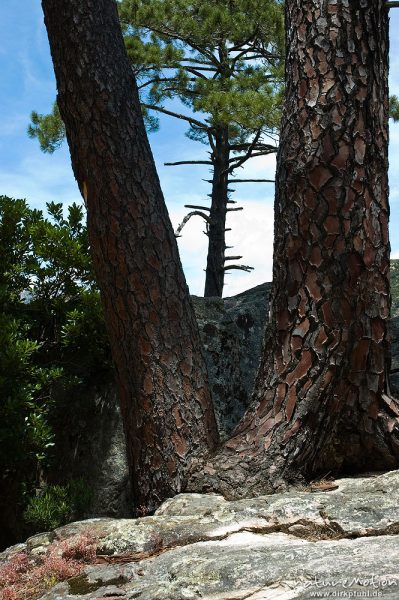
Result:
pixel 40 179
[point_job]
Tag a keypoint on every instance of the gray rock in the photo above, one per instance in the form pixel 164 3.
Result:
pixel 38 544
pixel 232 333
pixel 289 545
pixel 93 448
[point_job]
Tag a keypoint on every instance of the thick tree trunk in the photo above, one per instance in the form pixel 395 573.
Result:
pixel 160 369
pixel 321 400
pixel 214 280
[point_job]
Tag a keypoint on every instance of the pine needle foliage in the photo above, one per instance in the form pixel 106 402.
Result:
pixel 220 59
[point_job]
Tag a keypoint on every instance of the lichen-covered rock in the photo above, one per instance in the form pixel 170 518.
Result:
pixel 249 566
pixel 92 448
pixel 232 333
pixel 288 545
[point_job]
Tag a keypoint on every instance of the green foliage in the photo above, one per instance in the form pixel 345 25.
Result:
pixel 48 510
pixel 52 333
pixel 394 108
pixel 56 505
pixel 48 129
pixel 25 399
pixel 222 59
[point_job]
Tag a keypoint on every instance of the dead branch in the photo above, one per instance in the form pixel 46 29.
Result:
pixel 192 121
pixel 253 181
pixel 195 206
pixel 188 217
pixel 188 162
pixel 239 267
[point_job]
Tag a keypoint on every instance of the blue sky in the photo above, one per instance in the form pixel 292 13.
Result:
pixel 27 83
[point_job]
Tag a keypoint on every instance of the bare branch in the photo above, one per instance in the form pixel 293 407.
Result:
pixel 195 206
pixel 188 217
pixel 211 142
pixel 253 181
pixel 234 209
pixel 392 4
pixel 233 258
pixel 239 267
pixel 199 124
pixel 188 162
pixel 257 146
pixel 242 159
pixel 150 81
pixel 238 47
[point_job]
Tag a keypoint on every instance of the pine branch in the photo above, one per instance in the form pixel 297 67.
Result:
pixel 252 180
pixel 188 217
pixel 187 40
pixel 239 46
pixel 211 143
pixel 242 159
pixel 196 206
pixel 258 146
pixel 197 70
pixel 239 160
pixel 188 162
pixel 192 121
pixel 157 80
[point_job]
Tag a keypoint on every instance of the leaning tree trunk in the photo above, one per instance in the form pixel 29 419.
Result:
pixel 322 398
pixel 160 371
pixel 214 280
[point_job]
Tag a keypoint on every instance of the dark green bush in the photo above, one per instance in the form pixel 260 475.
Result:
pixel 52 336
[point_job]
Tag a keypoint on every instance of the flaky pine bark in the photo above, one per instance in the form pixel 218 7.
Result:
pixel 214 279
pixel 160 371
pixel 321 399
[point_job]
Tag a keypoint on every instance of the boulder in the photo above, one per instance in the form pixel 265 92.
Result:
pixel 290 545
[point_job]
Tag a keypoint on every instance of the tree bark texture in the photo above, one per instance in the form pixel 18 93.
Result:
pixel 160 369
pixel 322 399
pixel 214 280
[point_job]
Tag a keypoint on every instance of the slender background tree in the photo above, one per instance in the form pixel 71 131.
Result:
pixel 224 62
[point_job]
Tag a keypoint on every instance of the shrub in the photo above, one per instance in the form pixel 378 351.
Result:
pixel 57 505
pixel 52 338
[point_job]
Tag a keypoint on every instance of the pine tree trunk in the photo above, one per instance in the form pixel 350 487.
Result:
pixel 322 398
pixel 214 280
pixel 160 370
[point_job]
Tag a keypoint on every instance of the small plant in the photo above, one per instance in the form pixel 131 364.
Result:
pixel 48 510
pixel 29 577
pixel 57 505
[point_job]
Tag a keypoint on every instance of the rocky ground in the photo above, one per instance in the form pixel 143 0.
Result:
pixel 292 545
